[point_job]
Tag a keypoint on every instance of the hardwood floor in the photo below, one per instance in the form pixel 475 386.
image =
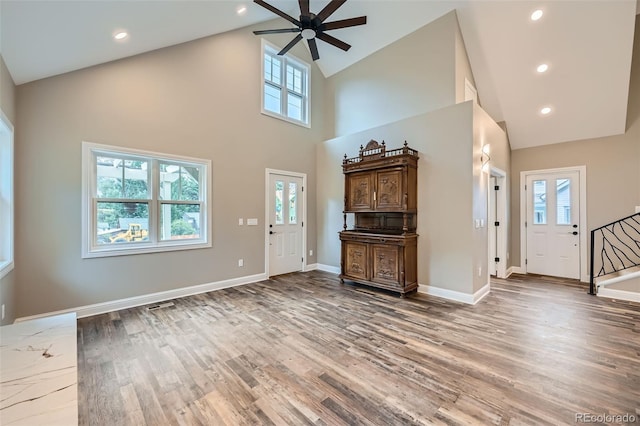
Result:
pixel 304 349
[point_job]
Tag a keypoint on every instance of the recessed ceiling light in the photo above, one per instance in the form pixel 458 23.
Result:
pixel 542 68
pixel 545 110
pixel 241 10
pixel 120 35
pixel 537 14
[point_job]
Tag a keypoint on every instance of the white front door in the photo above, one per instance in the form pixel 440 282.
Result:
pixel 285 224
pixel 552 224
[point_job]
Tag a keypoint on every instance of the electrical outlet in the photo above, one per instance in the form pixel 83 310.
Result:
pixel 3 311
pixel 240 262
pixel 310 252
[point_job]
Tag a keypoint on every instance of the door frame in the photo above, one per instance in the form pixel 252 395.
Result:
pixel 501 216
pixel 267 194
pixel 582 178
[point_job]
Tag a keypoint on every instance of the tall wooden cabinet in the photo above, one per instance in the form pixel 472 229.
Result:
pixel 381 192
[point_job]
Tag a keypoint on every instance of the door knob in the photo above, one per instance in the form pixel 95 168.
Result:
pixel 573 233
pixel 271 232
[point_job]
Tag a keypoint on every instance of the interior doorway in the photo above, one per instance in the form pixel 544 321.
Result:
pixel 285 215
pixel 497 223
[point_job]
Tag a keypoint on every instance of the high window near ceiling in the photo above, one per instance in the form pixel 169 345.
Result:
pixel 140 202
pixel 285 88
pixel 6 196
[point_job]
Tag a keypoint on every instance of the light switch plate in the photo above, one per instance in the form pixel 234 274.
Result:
pixel 241 221
pixel 252 222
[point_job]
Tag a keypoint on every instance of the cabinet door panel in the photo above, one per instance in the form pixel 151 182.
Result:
pixel 359 191
pixel 355 260
pixel 385 264
pixel 389 191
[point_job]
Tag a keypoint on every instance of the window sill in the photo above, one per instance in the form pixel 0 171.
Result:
pixel 288 120
pixel 144 249
pixel 5 268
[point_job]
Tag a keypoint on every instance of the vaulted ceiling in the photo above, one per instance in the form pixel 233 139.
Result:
pixel 587 45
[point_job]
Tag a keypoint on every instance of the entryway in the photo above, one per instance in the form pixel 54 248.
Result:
pixel 497 223
pixel 554 222
pixel 285 215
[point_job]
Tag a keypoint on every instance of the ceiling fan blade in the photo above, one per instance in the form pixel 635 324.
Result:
pixel 292 43
pixel 334 41
pixel 343 23
pixel 277 12
pixel 329 9
pixel 313 46
pixel 283 30
pixel 304 7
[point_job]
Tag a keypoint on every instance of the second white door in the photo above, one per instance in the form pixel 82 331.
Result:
pixel 552 224
pixel 285 224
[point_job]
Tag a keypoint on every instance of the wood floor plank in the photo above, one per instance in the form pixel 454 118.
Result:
pixel 304 349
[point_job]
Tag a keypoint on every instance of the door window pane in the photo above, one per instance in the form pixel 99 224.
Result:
pixel 279 214
pixel 293 204
pixel 539 202
pixel 563 196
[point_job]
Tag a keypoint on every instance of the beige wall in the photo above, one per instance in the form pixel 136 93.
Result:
pixel 396 95
pixel 452 191
pixel 444 139
pixel 7 105
pixel 411 76
pixel 486 132
pixel 463 66
pixel 200 99
pixel 613 166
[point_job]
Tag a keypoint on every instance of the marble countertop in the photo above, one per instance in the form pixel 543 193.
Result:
pixel 39 372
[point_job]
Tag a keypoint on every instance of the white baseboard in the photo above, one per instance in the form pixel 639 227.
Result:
pixel 470 299
pixel 610 293
pixel 509 272
pixel 516 270
pixel 310 267
pixel 131 302
pixel 328 268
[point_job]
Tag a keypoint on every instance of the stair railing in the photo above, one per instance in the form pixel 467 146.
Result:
pixel 614 248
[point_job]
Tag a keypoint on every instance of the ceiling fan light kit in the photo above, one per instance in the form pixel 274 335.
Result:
pixel 311 26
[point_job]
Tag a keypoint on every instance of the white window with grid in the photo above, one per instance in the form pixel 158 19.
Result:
pixel 285 87
pixel 141 202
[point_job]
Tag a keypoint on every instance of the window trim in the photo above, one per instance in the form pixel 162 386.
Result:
pixel 7 162
pixel 89 247
pixel 298 63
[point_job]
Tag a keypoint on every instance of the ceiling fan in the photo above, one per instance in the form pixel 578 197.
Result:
pixel 311 26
